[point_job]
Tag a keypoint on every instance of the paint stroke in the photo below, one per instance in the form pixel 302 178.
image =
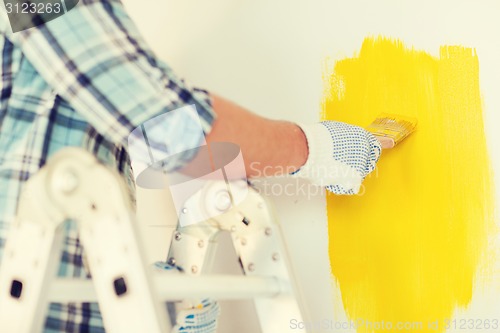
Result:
pixel 409 248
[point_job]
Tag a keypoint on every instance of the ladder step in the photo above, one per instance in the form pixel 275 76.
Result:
pixel 172 287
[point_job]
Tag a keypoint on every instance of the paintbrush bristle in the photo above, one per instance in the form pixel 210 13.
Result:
pixel 392 127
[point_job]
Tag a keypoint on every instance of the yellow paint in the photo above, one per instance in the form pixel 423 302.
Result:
pixel 408 249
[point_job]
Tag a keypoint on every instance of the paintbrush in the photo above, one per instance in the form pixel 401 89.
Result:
pixel 391 129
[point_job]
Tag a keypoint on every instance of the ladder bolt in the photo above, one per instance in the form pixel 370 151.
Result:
pixel 67 182
pixel 223 201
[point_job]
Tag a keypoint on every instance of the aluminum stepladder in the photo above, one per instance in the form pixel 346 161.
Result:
pixel 256 237
pixel 73 185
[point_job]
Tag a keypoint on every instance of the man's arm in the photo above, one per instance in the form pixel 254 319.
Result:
pixel 269 147
pixel 95 58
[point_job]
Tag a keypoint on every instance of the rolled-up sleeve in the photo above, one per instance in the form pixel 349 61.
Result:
pixel 95 58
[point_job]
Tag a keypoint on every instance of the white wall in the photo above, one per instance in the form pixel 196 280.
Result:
pixel 267 55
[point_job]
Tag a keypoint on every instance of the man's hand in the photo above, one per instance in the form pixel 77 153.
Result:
pixel 331 154
pixel 340 156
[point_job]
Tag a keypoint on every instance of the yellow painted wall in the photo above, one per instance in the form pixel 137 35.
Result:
pixel 409 248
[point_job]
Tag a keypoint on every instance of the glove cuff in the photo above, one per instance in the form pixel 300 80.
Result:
pixel 321 168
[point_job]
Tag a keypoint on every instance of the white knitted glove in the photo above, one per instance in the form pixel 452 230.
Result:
pixel 201 318
pixel 191 316
pixel 340 156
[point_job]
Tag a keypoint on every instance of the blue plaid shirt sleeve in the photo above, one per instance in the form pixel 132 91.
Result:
pixel 95 58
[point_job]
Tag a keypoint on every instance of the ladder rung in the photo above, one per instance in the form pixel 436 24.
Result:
pixel 176 287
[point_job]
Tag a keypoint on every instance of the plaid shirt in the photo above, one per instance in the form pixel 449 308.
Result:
pixel 85 79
